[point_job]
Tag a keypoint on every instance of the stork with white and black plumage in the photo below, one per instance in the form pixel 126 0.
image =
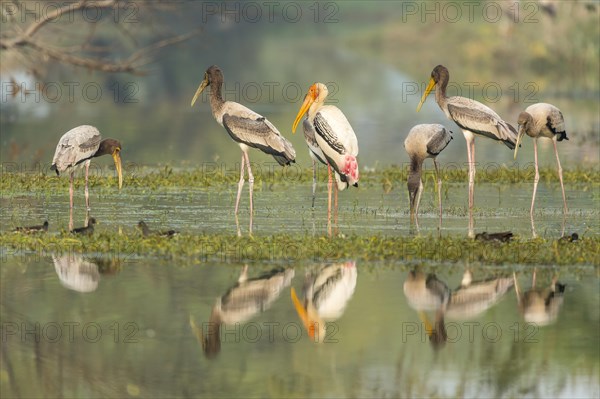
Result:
pixel 474 118
pixel 334 137
pixel 543 120
pixel 76 148
pixel 247 128
pixel 424 141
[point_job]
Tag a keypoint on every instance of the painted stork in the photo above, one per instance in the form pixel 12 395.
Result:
pixel 424 141
pixel 247 128
pixel 33 229
pixel 247 298
pixel 76 148
pixel 473 118
pixel 327 291
pixel 543 120
pixel 335 139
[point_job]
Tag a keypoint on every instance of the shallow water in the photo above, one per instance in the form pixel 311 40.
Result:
pixel 130 334
pixel 366 210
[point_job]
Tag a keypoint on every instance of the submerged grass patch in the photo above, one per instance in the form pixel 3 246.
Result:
pixel 225 248
pixel 272 174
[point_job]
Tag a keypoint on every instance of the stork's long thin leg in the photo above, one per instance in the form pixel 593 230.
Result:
pixel 329 186
pixel 240 184
pixel 560 177
pixel 71 201
pixel 87 193
pixel 536 179
pixel 517 290
pixel 335 207
pixel 471 161
pixel 314 183
pixel 251 189
pixel 439 184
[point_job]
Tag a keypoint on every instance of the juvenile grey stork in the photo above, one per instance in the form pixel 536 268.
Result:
pixel 76 148
pixel 543 120
pixel 473 118
pixel 247 298
pixel 335 139
pixel 424 141
pixel 245 127
pixel 327 291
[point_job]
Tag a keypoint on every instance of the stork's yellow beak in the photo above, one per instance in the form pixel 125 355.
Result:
pixel 308 101
pixel 200 90
pixel 117 158
pixel 427 90
pixel 519 137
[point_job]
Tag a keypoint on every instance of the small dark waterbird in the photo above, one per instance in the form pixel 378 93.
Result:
pixel 334 141
pixel 33 229
pixel 424 141
pixel 146 232
pixel 76 148
pixel 505 236
pixel 543 120
pixel 474 118
pixel 86 230
pixel 247 128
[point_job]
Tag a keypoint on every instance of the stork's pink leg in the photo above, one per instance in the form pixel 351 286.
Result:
pixel 329 186
pixel 439 184
pixel 314 183
pixel 536 179
pixel 240 185
pixel 335 207
pixel 87 193
pixel 71 201
pixel 251 189
pixel 560 177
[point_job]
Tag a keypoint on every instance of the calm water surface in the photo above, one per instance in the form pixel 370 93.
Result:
pixel 81 326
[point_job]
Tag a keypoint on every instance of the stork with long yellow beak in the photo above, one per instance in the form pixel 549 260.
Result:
pixel 335 139
pixel 76 148
pixel 245 127
pixel 474 118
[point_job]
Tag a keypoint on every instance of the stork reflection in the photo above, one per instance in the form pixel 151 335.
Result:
pixel 469 300
pixel 540 305
pixel 326 291
pixel 83 274
pixel 239 304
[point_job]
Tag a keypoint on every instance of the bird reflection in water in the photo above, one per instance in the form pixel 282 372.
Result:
pixel 471 299
pixel 241 302
pixel 327 291
pixel 540 305
pixel 80 274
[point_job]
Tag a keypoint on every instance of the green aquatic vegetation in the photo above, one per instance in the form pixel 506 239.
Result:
pixel 267 176
pixel 224 248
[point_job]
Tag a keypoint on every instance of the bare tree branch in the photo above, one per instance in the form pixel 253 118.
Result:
pixel 24 41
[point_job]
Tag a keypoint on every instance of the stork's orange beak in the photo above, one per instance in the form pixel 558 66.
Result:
pixel 310 98
pixel 427 90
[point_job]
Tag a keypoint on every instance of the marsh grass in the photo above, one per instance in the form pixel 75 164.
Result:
pixel 190 249
pixel 388 178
